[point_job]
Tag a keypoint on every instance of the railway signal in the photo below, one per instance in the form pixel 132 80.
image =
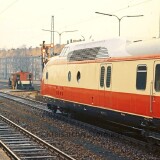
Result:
pixel 45 52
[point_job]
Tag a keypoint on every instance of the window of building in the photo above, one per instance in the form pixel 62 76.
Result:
pixel 141 77
pixel 157 78
pixel 102 76
pixel 108 78
pixel 46 75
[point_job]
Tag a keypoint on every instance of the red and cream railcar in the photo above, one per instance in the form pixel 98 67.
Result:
pixel 113 79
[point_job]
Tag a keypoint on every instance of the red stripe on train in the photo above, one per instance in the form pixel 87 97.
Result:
pixel 123 102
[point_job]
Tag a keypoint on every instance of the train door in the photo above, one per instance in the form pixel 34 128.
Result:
pixel 155 92
pixel 105 85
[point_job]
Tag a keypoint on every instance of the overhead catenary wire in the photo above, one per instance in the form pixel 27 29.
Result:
pixel 121 9
pixel 129 6
pixel 10 5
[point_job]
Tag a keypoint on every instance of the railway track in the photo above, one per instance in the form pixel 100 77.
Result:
pixel 42 107
pixel 32 103
pixel 21 144
pixel 93 130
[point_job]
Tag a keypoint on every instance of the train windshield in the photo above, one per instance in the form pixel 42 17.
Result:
pixel 29 76
pixel 18 77
pixel 64 51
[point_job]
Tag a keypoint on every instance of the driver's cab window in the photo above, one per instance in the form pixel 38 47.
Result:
pixel 18 77
pixel 157 78
pixel 64 51
pixel 29 76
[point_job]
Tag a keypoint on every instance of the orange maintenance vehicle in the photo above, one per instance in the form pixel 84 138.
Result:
pixel 21 80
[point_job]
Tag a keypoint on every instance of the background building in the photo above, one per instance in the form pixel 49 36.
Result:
pixel 25 59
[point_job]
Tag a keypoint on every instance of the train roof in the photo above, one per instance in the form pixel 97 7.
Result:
pixel 147 47
pixel 109 48
pixel 113 47
pixel 21 72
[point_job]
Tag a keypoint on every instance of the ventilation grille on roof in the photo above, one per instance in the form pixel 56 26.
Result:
pixel 87 54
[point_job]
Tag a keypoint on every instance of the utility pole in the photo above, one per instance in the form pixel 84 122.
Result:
pixel 52 36
pixel 159 25
pixel 119 19
pixel 59 33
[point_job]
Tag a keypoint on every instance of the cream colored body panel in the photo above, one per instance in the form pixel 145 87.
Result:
pixel 123 77
pixel 125 74
pixel 58 75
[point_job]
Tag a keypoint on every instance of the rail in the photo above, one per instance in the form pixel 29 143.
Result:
pixel 15 141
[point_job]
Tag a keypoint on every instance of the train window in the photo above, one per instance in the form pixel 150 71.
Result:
pixel 29 76
pixel 102 76
pixel 46 75
pixel 69 76
pixel 78 76
pixel 64 51
pixel 157 78
pixel 18 77
pixel 141 77
pixel 108 78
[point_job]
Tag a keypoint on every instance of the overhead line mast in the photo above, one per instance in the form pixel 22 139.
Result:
pixel 52 36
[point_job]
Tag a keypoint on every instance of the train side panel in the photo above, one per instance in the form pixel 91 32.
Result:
pixel 126 88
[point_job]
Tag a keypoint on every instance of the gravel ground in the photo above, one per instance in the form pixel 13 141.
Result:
pixel 3 155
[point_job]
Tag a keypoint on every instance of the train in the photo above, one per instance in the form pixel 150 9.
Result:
pixel 21 80
pixel 113 79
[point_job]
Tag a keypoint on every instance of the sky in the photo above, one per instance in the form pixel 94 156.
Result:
pixel 22 21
